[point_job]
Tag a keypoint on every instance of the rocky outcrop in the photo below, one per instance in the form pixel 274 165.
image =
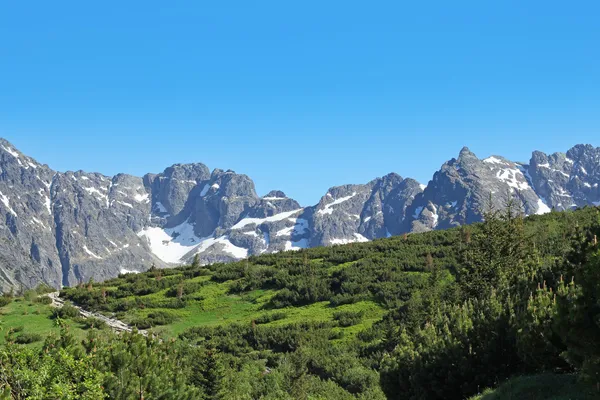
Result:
pixel 64 228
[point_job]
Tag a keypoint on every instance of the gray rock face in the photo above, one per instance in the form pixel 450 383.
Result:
pixel 567 180
pixel 353 213
pixel 460 191
pixel 64 228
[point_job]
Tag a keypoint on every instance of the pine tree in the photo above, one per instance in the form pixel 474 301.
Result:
pixel 196 262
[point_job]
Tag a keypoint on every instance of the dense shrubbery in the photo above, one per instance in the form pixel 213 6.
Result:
pixel 466 309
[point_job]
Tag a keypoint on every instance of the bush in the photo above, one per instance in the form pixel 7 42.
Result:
pixel 65 312
pixel 266 318
pixel 16 329
pixel 27 338
pixel 156 318
pixel 348 318
pixel 5 299
pixel 92 323
pixel 43 300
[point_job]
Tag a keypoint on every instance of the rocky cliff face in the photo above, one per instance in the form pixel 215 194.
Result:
pixel 65 228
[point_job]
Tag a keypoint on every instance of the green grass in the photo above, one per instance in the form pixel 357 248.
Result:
pixel 218 307
pixel 541 387
pixel 34 318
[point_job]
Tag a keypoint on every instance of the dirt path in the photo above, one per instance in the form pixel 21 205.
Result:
pixel 115 324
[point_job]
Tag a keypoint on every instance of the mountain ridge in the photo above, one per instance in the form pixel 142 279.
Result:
pixel 62 228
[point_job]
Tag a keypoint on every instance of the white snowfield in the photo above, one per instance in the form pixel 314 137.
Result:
pixel 174 245
pixel 171 244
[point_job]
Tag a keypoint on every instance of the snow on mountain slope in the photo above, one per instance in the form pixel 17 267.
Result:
pixel 65 228
pixel 171 244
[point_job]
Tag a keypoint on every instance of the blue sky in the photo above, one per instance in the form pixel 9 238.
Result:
pixel 300 96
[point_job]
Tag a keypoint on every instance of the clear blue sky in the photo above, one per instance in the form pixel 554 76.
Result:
pixel 300 95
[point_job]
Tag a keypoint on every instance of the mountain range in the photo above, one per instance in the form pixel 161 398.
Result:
pixel 62 228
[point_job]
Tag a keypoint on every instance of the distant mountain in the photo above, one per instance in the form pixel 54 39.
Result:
pixel 64 228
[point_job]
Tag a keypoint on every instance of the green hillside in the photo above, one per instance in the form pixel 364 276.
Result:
pixel 438 315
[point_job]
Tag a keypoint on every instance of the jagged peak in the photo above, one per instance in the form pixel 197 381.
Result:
pixel 579 150
pixel 275 194
pixel 465 152
pixel 7 147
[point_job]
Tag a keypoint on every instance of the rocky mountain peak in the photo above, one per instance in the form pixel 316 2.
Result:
pixel 275 194
pixel 64 228
pixel 466 154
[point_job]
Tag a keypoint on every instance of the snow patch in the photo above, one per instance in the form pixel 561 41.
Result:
pixel 46 201
pixel 422 186
pixel 37 221
pixel 5 200
pixel 90 253
pixel 542 207
pixel 12 152
pixel 228 247
pixel 258 221
pixel 171 244
pixel 328 208
pixel 285 231
pixel 435 216
pixel 357 238
pixel 494 160
pixel 94 191
pixel 142 198
pixel 509 176
pixel 128 271
pixel 296 245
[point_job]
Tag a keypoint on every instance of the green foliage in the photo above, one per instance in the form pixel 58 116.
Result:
pixel 27 338
pixel 68 311
pixel 6 299
pixel 348 318
pixel 155 318
pixel 43 300
pixel 541 387
pixel 424 316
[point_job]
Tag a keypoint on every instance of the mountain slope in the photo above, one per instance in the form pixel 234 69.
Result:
pixel 64 228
